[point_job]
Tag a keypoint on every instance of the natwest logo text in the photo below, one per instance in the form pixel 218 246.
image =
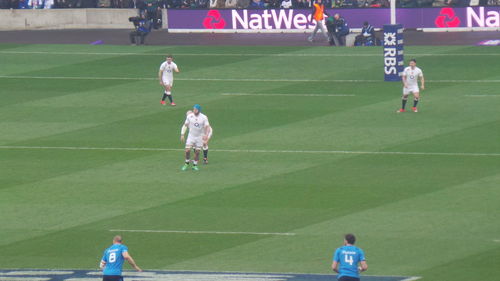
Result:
pixel 271 19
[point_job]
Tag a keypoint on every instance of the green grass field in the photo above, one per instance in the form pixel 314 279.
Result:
pixel 85 148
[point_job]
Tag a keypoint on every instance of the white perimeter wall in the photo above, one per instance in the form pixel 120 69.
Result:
pixel 65 18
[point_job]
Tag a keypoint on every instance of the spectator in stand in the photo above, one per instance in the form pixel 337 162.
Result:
pixel 202 4
pixel 350 4
pixel 256 4
pixel 274 4
pixel 23 4
pixel 382 4
pixel 458 3
pixel 300 4
pixel 286 4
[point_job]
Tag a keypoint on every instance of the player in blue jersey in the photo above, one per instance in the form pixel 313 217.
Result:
pixel 349 260
pixel 113 258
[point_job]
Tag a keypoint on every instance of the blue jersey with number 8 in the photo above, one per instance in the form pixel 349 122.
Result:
pixel 113 256
pixel 348 258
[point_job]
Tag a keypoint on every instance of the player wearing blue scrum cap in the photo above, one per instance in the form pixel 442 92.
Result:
pixel 199 131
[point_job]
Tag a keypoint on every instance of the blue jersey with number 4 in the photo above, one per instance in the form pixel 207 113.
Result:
pixel 348 258
pixel 113 256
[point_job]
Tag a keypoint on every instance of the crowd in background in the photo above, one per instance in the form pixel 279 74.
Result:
pixel 251 4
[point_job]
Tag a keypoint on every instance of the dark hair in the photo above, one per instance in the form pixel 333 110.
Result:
pixel 413 60
pixel 169 56
pixel 350 238
pixel 365 23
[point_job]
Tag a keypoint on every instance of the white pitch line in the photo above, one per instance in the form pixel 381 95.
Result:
pixel 413 278
pixel 17 278
pixel 287 95
pixel 204 232
pixel 231 79
pixel 482 96
pixel 232 54
pixel 496 240
pixel 468 154
pixel 183 79
pixel 36 272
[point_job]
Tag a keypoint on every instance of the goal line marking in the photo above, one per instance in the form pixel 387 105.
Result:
pixel 469 154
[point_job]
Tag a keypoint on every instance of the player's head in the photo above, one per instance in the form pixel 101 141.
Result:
pixel 365 23
pixel 349 239
pixel 318 1
pixel 413 62
pixel 169 58
pixel 196 109
pixel 117 239
pixel 189 112
pixel 336 16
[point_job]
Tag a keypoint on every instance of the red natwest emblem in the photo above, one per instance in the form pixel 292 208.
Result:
pixel 447 18
pixel 214 20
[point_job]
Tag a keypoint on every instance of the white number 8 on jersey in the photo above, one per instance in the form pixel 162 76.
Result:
pixel 112 257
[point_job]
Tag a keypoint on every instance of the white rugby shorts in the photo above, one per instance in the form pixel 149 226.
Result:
pixel 410 89
pixel 194 142
pixel 167 81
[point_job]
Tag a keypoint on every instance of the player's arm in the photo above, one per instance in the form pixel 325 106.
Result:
pixel 335 266
pixel 422 82
pixel 102 264
pixel 207 133
pixel 160 75
pixel 176 69
pixel 183 130
pixel 131 261
pixel 363 266
pixel 404 81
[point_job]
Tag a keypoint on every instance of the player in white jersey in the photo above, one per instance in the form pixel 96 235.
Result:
pixel 410 83
pixel 166 77
pixel 205 144
pixel 199 129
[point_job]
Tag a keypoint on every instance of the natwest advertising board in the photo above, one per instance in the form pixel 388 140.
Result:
pixel 297 20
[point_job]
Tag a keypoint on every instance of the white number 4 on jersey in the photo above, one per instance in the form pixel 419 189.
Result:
pixel 349 259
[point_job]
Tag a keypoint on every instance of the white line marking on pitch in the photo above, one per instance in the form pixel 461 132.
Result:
pixel 482 96
pixel 413 278
pixel 256 150
pixel 287 95
pixel 183 79
pixel 231 54
pixel 496 240
pixel 36 272
pixel 233 79
pixel 9 278
pixel 204 232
